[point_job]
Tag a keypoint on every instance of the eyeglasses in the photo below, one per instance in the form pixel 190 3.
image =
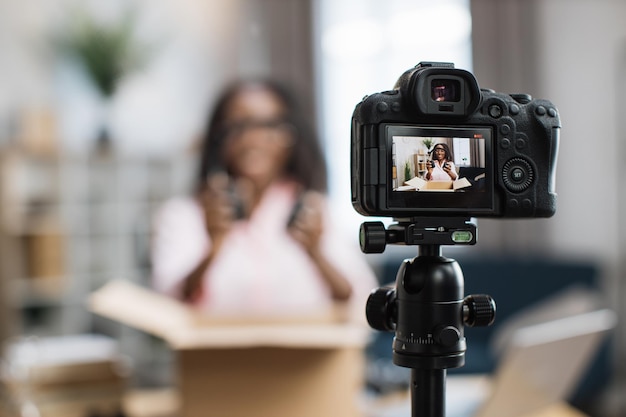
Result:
pixel 439 149
pixel 277 131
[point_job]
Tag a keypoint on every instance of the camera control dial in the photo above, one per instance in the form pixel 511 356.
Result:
pixel 517 175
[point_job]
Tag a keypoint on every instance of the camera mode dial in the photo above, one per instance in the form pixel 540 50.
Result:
pixel 517 175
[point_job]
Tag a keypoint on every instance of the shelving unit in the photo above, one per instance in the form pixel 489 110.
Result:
pixel 420 159
pixel 72 223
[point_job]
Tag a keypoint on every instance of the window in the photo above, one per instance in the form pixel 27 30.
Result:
pixel 461 148
pixel 363 46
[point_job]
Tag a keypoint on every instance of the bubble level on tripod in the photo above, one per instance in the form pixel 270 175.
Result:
pixel 462 236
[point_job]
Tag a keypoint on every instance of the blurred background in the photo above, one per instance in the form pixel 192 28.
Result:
pixel 91 145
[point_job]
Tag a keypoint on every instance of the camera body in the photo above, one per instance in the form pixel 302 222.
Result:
pixel 500 149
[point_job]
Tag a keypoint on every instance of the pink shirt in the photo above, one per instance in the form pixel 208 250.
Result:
pixel 260 268
pixel 439 174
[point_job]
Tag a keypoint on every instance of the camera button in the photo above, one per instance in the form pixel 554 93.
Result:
pixel 514 109
pixel 396 107
pixel 541 111
pixel 495 111
pixel 552 112
pixel 513 203
pixel 518 174
pixel 527 204
pixel 382 107
pixel 505 129
pixel 520 143
pixel 505 143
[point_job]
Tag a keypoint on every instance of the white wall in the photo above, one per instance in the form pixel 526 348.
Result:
pixel 572 52
pixel 584 59
pixel 582 56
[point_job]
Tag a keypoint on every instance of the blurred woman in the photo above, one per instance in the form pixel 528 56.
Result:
pixel 256 236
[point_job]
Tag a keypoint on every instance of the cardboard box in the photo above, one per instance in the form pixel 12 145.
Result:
pixel 558 410
pixel 230 368
pixel 420 184
pixel 151 402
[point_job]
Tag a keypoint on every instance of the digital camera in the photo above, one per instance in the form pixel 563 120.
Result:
pixel 439 146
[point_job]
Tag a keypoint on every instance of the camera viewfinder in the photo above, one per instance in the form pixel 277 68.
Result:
pixel 445 90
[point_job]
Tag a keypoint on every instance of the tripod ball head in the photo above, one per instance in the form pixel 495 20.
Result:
pixel 479 310
pixel 427 311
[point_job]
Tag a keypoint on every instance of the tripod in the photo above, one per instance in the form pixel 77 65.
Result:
pixel 426 309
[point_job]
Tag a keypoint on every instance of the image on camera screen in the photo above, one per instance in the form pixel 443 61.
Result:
pixel 443 168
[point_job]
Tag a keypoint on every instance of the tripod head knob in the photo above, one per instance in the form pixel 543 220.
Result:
pixel 373 237
pixel 479 310
pixel 380 309
pixel 447 336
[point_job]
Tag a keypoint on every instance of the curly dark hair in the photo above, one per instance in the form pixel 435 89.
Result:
pixel 306 164
pixel 446 149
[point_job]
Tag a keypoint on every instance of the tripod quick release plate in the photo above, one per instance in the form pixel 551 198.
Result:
pixel 374 238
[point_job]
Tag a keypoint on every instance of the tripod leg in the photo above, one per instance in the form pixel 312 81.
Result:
pixel 428 392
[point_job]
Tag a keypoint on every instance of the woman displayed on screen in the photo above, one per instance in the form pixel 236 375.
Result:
pixel 441 167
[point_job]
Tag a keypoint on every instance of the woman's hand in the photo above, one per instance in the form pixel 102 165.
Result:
pixel 222 207
pixel 307 228
pixel 219 209
pixel 429 169
pixel 224 202
pixel 307 225
pixel 448 170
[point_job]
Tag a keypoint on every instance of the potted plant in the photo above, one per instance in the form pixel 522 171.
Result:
pixel 428 142
pixel 107 52
pixel 407 171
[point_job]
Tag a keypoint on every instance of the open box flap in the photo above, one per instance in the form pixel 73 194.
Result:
pixel 182 327
pixel 142 309
pixel 417 183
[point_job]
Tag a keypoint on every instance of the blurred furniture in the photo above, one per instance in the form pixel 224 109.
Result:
pixel 476 176
pixel 69 223
pixel 67 376
pixel 515 283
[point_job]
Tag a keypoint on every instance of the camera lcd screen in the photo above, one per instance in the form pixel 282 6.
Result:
pixel 440 168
